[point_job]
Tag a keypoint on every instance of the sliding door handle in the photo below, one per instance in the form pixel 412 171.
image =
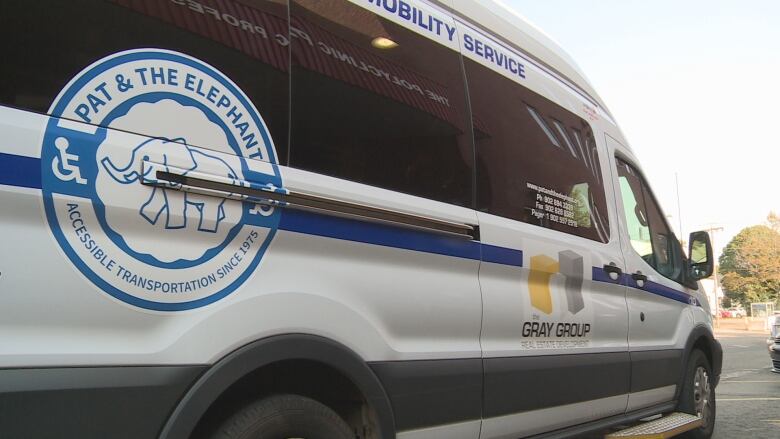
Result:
pixel 613 271
pixel 639 278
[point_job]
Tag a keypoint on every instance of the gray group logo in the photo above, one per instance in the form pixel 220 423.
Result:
pixel 543 267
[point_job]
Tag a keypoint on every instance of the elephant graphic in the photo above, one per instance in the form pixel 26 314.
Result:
pixel 174 152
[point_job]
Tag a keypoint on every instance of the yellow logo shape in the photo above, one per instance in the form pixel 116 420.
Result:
pixel 542 269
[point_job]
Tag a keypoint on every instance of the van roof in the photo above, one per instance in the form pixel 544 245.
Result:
pixel 496 18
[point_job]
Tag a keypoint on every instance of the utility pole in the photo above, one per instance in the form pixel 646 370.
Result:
pixel 679 212
pixel 711 230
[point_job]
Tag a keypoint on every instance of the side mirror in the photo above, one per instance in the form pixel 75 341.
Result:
pixel 700 251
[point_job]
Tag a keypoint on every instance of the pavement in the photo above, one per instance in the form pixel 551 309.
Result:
pixel 748 396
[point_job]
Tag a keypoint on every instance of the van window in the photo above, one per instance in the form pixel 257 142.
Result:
pixel 246 40
pixel 635 212
pixel 392 117
pixel 650 235
pixel 536 162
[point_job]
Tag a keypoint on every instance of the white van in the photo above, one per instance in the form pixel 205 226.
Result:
pixel 327 219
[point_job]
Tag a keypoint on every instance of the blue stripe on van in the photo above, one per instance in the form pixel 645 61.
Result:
pixel 396 237
pixel 378 234
pixel 23 171
pixel 599 275
pixel 664 291
pixel 17 170
pixel 502 255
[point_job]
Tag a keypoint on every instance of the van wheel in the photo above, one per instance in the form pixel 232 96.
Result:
pixel 698 395
pixel 282 417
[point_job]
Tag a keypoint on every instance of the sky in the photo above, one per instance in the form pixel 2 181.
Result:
pixel 695 88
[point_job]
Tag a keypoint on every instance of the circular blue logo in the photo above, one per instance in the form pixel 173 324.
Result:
pixel 144 240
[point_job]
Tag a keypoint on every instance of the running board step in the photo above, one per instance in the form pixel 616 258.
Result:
pixel 665 427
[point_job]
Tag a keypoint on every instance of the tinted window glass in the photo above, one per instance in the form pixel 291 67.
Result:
pixel 651 237
pixel 393 118
pixel 46 43
pixel 635 211
pixel 666 248
pixel 536 162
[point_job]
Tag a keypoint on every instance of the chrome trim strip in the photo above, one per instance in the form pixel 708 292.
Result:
pixel 278 197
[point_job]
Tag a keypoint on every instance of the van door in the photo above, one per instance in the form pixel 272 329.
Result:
pixel 381 140
pixel 554 323
pixel 658 304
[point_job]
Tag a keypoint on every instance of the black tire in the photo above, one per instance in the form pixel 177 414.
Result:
pixel 282 417
pixel 692 399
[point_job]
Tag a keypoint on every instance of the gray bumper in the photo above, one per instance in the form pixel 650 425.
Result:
pixel 774 354
pixel 90 402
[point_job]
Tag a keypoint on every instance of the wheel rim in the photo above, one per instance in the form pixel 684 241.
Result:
pixel 701 394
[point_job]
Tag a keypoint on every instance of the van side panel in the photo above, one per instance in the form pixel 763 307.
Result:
pixel 557 321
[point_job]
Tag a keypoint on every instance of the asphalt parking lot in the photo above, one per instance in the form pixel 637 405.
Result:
pixel 748 396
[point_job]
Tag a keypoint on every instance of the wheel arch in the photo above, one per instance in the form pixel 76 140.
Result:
pixel 702 338
pixel 268 351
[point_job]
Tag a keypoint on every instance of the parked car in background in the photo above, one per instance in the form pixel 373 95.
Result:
pixel 774 340
pixel 735 313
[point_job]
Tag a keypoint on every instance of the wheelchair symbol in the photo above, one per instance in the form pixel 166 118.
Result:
pixel 65 165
